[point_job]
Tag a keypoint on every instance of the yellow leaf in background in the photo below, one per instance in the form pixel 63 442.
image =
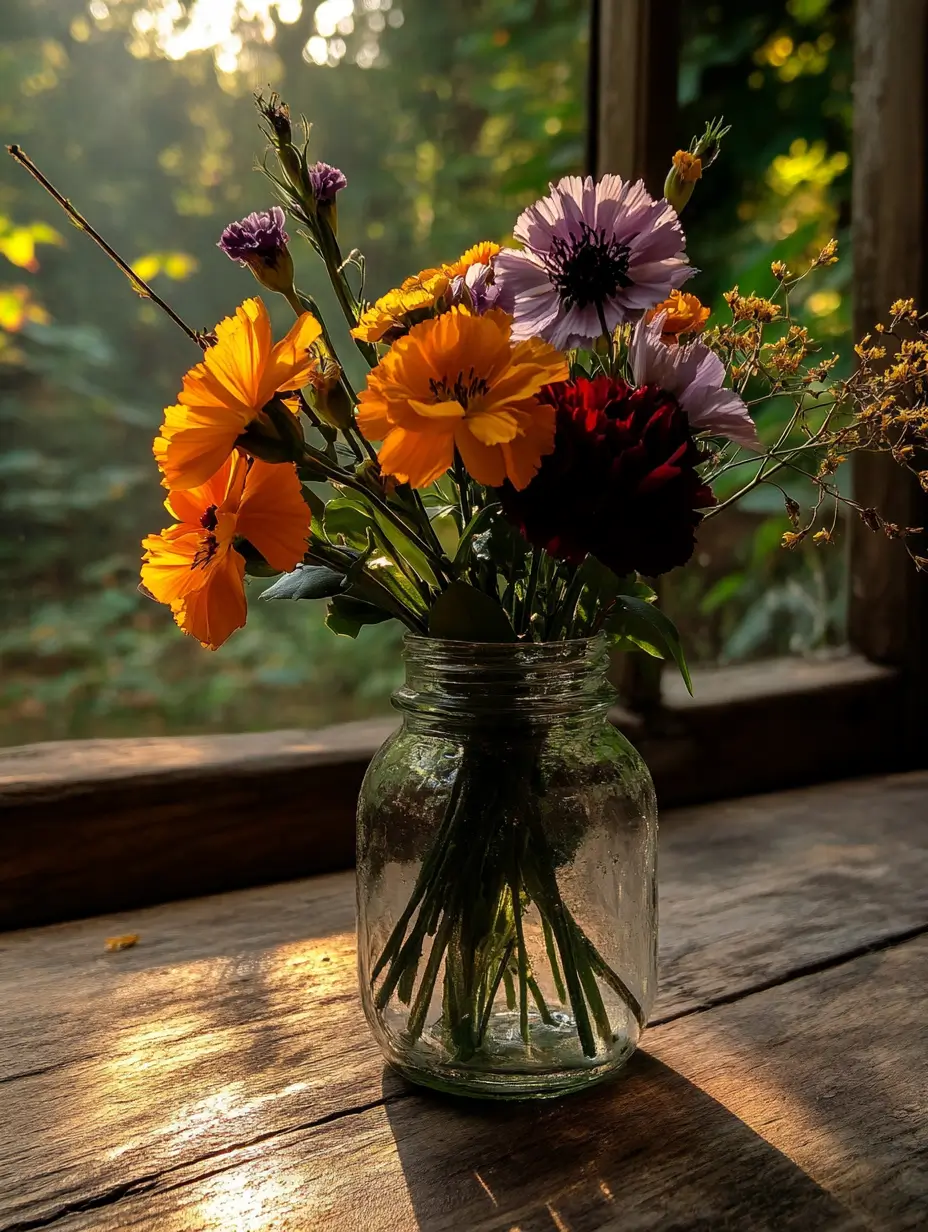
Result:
pixel 147 267
pixel 174 265
pixel 17 244
pixel 179 265
pixel 17 306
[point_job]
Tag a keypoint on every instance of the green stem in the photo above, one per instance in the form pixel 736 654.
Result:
pixel 528 599
pixel 609 976
pixel 493 990
pixel 546 1016
pixel 568 605
pixel 552 959
pixel 460 476
pixel 424 995
pixel 347 480
pixel 522 959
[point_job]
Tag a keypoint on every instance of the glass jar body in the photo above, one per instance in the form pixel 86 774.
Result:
pixel 507 902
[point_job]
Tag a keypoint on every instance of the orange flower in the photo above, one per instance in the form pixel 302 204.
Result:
pixel 457 383
pixel 416 299
pixel 687 166
pixel 225 393
pixel 194 565
pixel 683 314
pixel 481 254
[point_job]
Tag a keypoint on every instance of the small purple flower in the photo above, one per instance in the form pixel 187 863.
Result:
pixel 259 237
pixel 696 378
pixel 593 253
pixel 326 182
pixel 475 288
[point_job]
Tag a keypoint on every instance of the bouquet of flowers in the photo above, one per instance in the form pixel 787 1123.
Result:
pixel 541 433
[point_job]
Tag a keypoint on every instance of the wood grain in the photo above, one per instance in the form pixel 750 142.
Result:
pixel 786 1110
pixel 219 1074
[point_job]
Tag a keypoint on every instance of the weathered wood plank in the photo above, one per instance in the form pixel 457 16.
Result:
pixel 235 1020
pixel 790 1109
pixel 254 809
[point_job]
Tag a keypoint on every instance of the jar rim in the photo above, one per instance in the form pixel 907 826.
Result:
pixel 415 640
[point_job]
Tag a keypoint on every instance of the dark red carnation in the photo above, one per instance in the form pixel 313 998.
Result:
pixel 621 484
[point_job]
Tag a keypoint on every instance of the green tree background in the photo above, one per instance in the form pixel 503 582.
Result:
pixel 447 119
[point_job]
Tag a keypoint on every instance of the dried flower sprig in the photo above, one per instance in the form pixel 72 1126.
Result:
pixel 881 408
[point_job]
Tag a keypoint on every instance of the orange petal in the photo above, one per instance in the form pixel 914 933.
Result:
pixel 189 505
pixel 189 456
pixel 416 458
pixel 483 462
pixel 273 514
pixel 522 456
pixel 290 364
pixel 373 416
pixel 242 351
pixel 168 570
pixel 494 427
pixel 214 611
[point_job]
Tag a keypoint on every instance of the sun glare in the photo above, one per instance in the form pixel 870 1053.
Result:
pixel 226 28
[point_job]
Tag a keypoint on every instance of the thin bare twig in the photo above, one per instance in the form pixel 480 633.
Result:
pixel 138 284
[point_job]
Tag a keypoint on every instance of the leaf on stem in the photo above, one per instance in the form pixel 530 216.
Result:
pixel 642 625
pixel 348 616
pixel 464 614
pixel 307 582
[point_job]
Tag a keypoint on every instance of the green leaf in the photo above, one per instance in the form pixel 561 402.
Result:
pixel 600 590
pixel 464 614
pixel 307 582
pixel 646 627
pixel 347 616
pixel 316 504
pixel 347 521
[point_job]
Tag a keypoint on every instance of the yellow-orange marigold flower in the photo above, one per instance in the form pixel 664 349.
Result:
pixel 683 314
pixel 226 392
pixel 194 565
pixel 415 300
pixel 687 166
pixel 480 254
pixel 457 383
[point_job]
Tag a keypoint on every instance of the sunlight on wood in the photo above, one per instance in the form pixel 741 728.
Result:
pixel 485 1187
pixel 236 1204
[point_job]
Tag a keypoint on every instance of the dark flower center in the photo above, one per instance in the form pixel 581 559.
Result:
pixel 463 390
pixel 210 544
pixel 588 268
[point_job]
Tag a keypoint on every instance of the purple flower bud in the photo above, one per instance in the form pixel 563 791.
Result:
pixel 260 242
pixel 260 236
pixel 326 182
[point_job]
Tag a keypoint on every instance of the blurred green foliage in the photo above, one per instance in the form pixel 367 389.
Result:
pixel 447 118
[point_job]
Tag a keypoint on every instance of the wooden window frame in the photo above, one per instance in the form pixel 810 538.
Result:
pixel 103 825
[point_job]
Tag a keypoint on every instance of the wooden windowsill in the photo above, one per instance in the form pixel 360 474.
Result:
pixel 101 825
pixel 220 1075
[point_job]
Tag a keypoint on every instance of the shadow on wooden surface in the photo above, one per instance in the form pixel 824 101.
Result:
pixel 649 1149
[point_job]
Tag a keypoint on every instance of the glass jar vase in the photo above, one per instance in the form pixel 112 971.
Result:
pixel 507 898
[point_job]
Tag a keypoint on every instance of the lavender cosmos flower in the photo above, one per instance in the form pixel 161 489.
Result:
pixel 594 254
pixel 326 182
pixel 259 237
pixel 476 288
pixel 695 376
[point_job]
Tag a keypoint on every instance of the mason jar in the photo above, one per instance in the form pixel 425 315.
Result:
pixel 506 878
